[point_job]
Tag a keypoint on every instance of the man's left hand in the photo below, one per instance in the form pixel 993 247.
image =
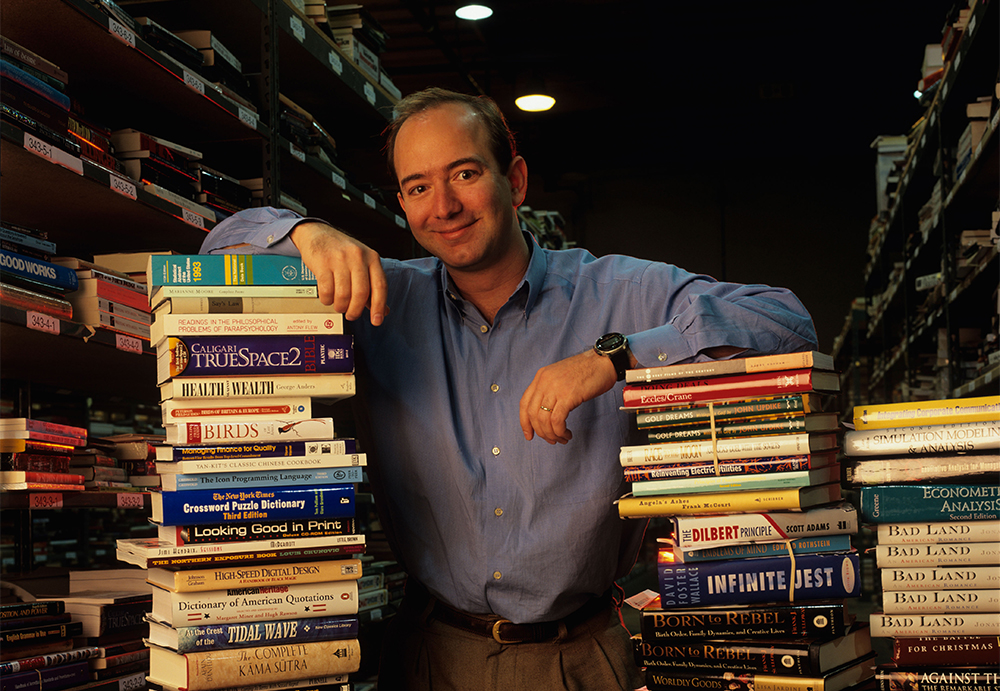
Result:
pixel 559 388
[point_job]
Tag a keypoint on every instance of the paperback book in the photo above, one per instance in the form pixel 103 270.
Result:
pixel 852 674
pixel 730 502
pixel 966 437
pixel 762 363
pixel 793 404
pixel 929 502
pixel 704 531
pixel 729 466
pixel 922 413
pixel 734 483
pixel 200 507
pixel 757 385
pixel 737 448
pixel 255 575
pixel 239 431
pixel 326 386
pixel 193 639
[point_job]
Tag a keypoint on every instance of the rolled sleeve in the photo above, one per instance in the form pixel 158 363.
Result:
pixel 255 231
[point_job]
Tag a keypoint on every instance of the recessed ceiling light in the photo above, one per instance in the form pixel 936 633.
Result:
pixel 534 103
pixel 473 12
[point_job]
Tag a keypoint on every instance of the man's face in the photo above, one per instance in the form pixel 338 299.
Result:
pixel 459 204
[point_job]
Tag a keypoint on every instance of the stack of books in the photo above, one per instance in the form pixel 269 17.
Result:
pixel 741 463
pixel 107 299
pixel 255 569
pixel 928 475
pixel 17 292
pixel 37 455
pixel 37 638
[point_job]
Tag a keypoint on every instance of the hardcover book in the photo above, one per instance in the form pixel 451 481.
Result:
pixel 37 272
pixel 761 363
pixel 940 601
pixel 764 579
pixel 197 580
pixel 793 404
pixel 932 503
pixel 285 463
pixel 151 553
pixel 260 355
pixel 254 530
pixel 326 386
pixel 238 431
pixel 685 392
pixel 941 678
pixel 886 470
pixel 162 293
pixel 941 578
pixel 740 447
pixel 964 437
pixel 194 639
pixel 927 533
pixel 733 483
pixel 805 545
pixel 920 413
pixel 184 409
pixel 173 482
pixel 259 449
pixel 937 554
pixel 729 466
pixel 951 624
pixel 245 324
pixel 199 507
pixel 942 650
pixel 227 269
pixel 743 501
pixel 852 674
pixel 242 305
pixel 814 422
pixel 811 618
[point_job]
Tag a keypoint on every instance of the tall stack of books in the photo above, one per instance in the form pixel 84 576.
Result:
pixel 928 475
pixel 741 463
pixel 255 568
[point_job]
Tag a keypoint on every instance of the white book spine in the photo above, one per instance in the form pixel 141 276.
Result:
pixel 330 386
pixel 245 324
pixel 923 533
pixel 941 578
pixel 207 465
pixel 753 447
pixel 705 531
pixel 937 554
pixel 923 625
pixel 184 410
pixel 940 601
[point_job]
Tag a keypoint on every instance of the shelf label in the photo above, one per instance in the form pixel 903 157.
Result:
pixel 130 344
pixel 194 83
pixel 298 30
pixel 336 64
pixel 339 181
pixel 122 186
pixel 248 117
pixel 37 146
pixel 972 25
pixel 369 201
pixel 121 32
pixel 192 218
pixel 297 152
pixel 48 500
pixel 129 500
pixel 400 222
pixel 42 322
pixel 370 92
pixel 134 682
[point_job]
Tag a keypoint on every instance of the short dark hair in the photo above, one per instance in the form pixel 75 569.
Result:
pixel 500 138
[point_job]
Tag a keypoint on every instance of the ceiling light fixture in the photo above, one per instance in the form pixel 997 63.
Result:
pixel 473 12
pixel 534 103
pixel 531 93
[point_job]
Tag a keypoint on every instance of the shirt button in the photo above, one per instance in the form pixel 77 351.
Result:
pixel 498 511
pixel 661 357
pixel 495 388
pixel 497 575
pixel 496 450
pixel 484 328
pixel 270 239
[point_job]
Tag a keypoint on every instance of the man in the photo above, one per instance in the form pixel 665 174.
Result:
pixel 511 545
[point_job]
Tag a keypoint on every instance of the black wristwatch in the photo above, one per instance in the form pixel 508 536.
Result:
pixel 614 346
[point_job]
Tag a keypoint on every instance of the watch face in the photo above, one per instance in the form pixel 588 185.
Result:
pixel 609 343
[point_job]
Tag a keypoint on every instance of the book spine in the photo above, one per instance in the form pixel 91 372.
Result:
pixel 966 437
pixel 660 679
pixel 49 660
pixel 654 454
pixel 924 533
pixel 247 324
pixel 940 602
pixel 266 355
pixel 712 655
pixel 317 447
pixel 746 581
pixel 259 603
pixel 789 498
pixel 265 574
pixel 937 554
pixel 48 678
pixel 41 634
pixel 785 405
pixel 200 507
pixel 43 486
pixel 56 277
pixel 243 305
pixel 764 363
pixel 696 390
pixel 39 608
pixel 275 478
pixel 942 650
pixel 36 476
pixel 29 241
pixel 43 463
pixel 157 294
pixel 114 322
pixel 801 619
pixel 941 578
pixel 729 466
pixel 240 431
pixel 945 678
pixel 33 60
pixel 287 632
pixel 294 408
pixel 735 483
pixel 259 530
pixel 885 470
pixel 700 532
pixel 932 503
pixel 43 437
pixel 922 413
pixel 291 463
pixel 34 425
pixel 227 269
pixel 331 386
pixel 831 543
pixel 99 288
pixel 190 560
pixel 924 625
pixel 787 425
pixel 15 74
pixel 30 300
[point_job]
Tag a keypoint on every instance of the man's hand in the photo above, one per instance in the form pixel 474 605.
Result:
pixel 348 273
pixel 559 388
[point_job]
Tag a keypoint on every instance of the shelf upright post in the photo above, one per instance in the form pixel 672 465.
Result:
pixel 271 158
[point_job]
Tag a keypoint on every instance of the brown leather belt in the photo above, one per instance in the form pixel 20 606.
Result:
pixel 502 630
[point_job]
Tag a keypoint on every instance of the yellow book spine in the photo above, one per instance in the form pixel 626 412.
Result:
pixel 742 501
pixel 942 412
pixel 199 580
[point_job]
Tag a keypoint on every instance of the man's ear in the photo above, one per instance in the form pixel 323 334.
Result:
pixel 517 176
pixel 402 204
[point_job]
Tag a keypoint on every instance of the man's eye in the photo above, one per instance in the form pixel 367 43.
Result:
pixel 467 174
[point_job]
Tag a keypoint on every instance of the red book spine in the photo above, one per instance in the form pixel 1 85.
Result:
pixel 718 388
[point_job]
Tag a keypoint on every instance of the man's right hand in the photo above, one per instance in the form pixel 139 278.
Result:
pixel 348 273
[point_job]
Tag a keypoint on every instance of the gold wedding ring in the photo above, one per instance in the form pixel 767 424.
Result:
pixel 547 410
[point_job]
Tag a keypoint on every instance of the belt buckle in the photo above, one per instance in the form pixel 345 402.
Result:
pixel 496 631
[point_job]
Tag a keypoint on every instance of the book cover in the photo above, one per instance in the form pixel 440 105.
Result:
pixel 763 579
pixel 245 324
pixel 937 554
pixel 714 368
pixel 192 639
pixel 254 530
pixel 729 466
pixel 703 531
pixel 810 618
pixel 291 407
pixel 289 463
pixel 814 422
pixel 942 678
pixel 262 355
pixel 921 413
pixel 256 603
pixel 226 668
pixel 930 532
pixel 951 624
pixel 941 578
pixel 886 470
pixel 846 676
pixel 734 483
pixel 238 431
pixel 757 385
pixel 967 437
pixel 723 410
pixel 259 449
pixel 940 601
pixel 241 305
pixel 740 447
pixel 227 270
pixel 932 503
pixel 942 650
pixel 729 502
pixel 327 386
pixel 781 656
pixel 829 543
pixel 197 580
pixel 173 482
pixel 199 507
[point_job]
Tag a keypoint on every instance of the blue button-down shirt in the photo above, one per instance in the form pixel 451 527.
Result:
pixel 487 521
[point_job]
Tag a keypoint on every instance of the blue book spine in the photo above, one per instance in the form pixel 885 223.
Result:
pixel 227 270
pixel 192 639
pixel 28 81
pixel 269 478
pixel 199 507
pixel 39 272
pixel 318 447
pixel 827 543
pixel 765 579
pixel 935 502
pixel 292 354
